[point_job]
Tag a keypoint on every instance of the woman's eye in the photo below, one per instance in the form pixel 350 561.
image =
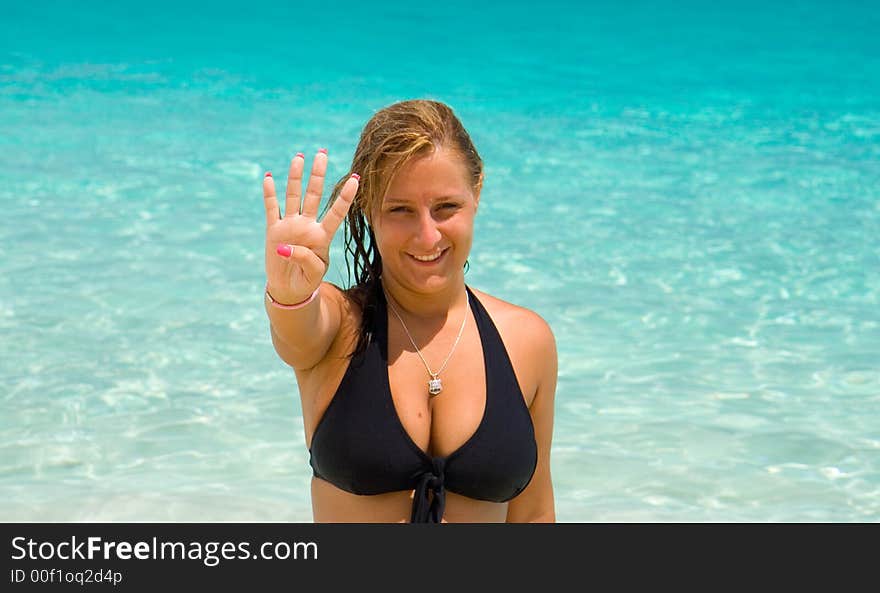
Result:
pixel 399 209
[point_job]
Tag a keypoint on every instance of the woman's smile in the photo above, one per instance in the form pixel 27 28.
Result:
pixel 430 259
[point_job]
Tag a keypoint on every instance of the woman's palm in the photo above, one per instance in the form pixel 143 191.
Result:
pixel 292 279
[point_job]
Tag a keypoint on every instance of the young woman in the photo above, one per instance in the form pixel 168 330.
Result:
pixel 424 399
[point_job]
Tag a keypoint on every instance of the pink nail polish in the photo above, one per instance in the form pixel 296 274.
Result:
pixel 324 150
pixel 268 174
pixel 356 176
pixel 284 250
pixel 300 155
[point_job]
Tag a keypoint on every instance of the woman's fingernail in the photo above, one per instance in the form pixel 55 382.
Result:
pixel 284 250
pixel 324 150
pixel 268 174
pixel 356 176
pixel 300 155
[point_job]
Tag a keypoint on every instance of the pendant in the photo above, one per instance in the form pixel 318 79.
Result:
pixel 435 386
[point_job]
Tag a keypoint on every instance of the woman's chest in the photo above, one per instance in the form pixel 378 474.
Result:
pixel 438 423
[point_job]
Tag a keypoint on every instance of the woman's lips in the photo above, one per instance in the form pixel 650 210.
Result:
pixel 429 262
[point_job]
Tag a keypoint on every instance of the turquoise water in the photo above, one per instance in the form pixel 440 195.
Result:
pixel 690 196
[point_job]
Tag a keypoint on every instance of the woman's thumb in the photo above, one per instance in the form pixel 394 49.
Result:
pixel 312 265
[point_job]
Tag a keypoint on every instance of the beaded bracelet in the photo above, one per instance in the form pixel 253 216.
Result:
pixel 296 306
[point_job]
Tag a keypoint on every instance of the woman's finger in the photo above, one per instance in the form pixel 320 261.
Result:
pixel 269 199
pixel 316 185
pixel 339 209
pixel 294 185
pixel 311 269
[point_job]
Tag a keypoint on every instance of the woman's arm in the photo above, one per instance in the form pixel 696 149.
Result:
pixel 303 336
pixel 304 312
pixel 535 503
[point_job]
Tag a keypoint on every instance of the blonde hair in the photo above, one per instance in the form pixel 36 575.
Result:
pixel 393 137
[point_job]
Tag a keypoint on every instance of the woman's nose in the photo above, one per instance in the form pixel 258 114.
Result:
pixel 429 234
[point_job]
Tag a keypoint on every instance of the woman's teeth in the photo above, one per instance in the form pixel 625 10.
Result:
pixel 428 257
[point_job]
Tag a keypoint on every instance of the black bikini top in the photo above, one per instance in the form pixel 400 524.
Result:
pixel 361 446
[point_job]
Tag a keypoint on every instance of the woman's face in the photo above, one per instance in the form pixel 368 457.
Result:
pixel 424 226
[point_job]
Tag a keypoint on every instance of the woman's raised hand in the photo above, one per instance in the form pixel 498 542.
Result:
pixel 297 245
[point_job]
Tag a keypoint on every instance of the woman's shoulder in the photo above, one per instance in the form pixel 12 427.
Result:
pixel 350 299
pixel 528 339
pixel 518 323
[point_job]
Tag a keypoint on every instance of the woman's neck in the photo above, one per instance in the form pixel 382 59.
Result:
pixel 426 307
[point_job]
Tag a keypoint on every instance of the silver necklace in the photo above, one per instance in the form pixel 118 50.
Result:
pixel 435 385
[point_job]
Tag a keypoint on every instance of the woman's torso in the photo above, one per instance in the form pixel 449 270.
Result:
pixel 438 426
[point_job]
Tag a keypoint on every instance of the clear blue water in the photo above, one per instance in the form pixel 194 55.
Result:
pixel 689 195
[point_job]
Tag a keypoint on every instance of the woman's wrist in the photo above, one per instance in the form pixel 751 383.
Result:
pixel 299 305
